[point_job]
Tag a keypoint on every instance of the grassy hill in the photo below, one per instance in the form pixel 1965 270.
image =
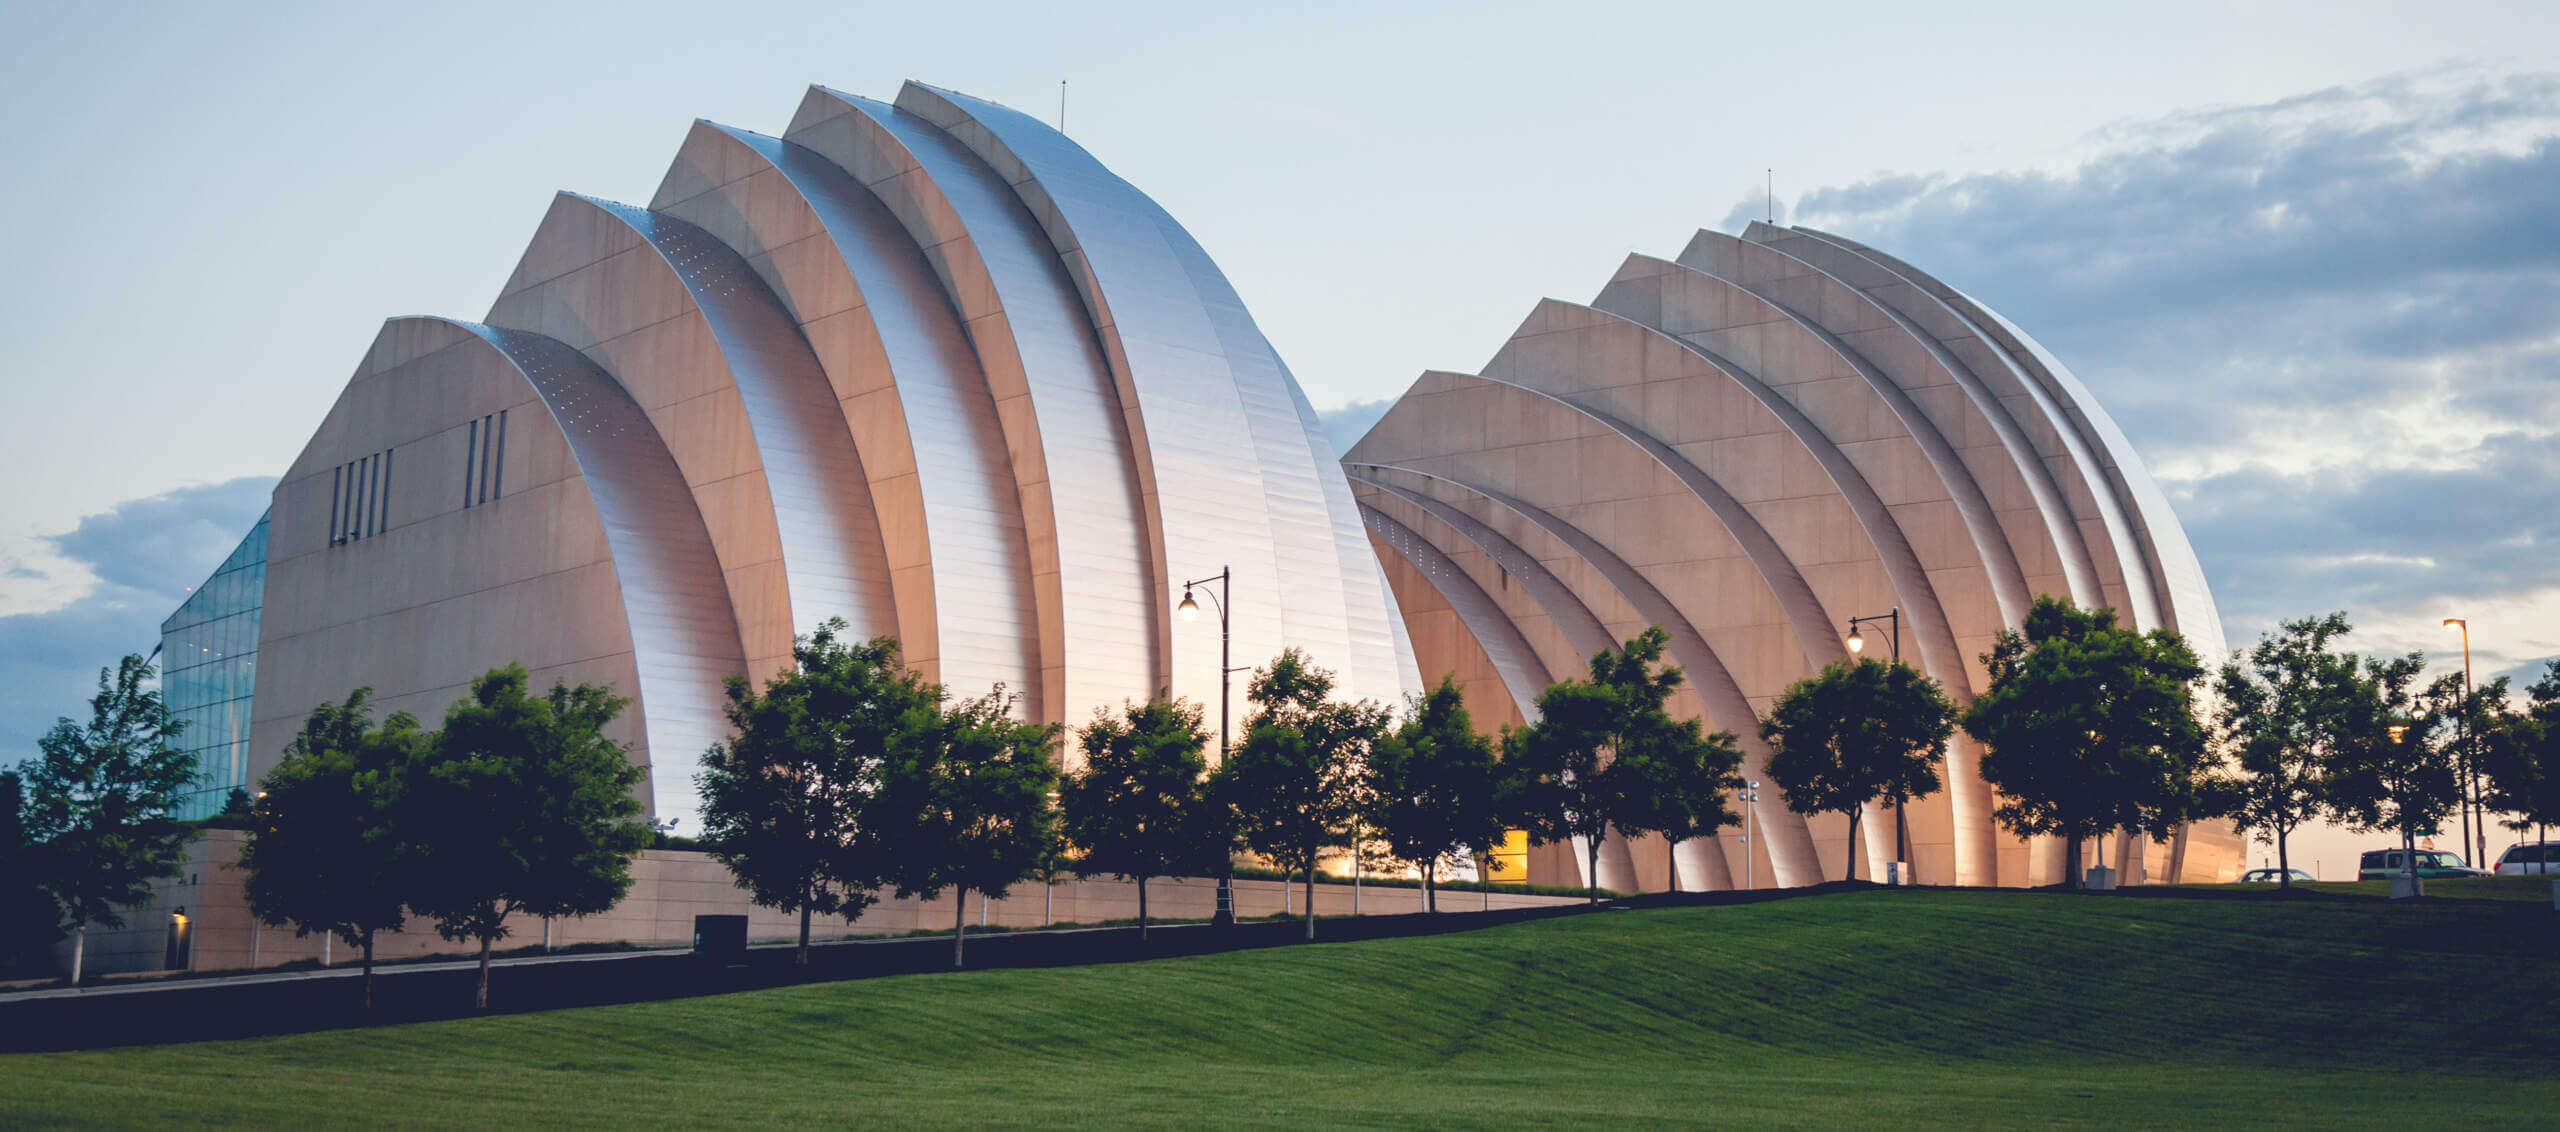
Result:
pixel 1873 1008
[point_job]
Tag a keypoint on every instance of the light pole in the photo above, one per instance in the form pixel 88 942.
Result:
pixel 1750 865
pixel 1858 644
pixel 1225 916
pixel 2474 823
pixel 2408 885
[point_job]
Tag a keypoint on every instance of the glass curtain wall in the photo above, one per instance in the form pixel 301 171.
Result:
pixel 209 665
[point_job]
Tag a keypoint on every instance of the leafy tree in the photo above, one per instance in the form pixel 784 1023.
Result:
pixel 1295 784
pixel 967 800
pixel 102 798
pixel 2395 774
pixel 2088 728
pixel 1861 731
pixel 1671 777
pixel 2288 710
pixel 1138 808
pixel 1605 752
pixel 324 851
pixel 1433 785
pixel 2523 759
pixel 29 924
pixel 790 804
pixel 522 805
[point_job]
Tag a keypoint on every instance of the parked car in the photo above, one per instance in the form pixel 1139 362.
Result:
pixel 2274 876
pixel 2433 864
pixel 2524 860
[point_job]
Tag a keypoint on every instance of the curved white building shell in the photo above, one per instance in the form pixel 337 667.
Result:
pixel 927 366
pixel 1749 445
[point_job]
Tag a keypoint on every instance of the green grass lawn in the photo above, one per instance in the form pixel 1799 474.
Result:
pixel 1874 1008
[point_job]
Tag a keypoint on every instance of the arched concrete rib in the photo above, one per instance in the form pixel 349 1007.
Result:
pixel 1098 574
pixel 1579 625
pixel 1211 410
pixel 1510 653
pixel 1523 674
pixel 1982 524
pixel 1816 630
pixel 1791 843
pixel 2076 454
pixel 1581 628
pixel 833 561
pixel 684 634
pixel 910 388
pixel 2079 566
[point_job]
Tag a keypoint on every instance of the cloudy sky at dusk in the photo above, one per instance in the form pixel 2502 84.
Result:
pixel 2307 255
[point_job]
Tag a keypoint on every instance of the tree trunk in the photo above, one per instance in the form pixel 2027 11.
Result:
pixel 2284 865
pixel 1853 844
pixel 480 1000
pixel 1671 857
pixel 1430 899
pixel 808 894
pixel 2071 862
pixel 1142 910
pixel 1311 897
pixel 1591 861
pixel 368 971
pixel 79 951
pixel 959 923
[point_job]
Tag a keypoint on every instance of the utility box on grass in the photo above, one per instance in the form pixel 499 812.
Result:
pixel 721 939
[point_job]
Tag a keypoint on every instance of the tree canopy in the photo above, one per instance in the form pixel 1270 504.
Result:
pixel 1296 783
pixel 2088 728
pixel 1605 752
pixel 2398 772
pixel 1433 785
pixel 522 805
pixel 1139 807
pixel 2523 763
pixel 324 851
pixel 2288 713
pixel 101 802
pixel 792 804
pixel 1858 732
pixel 967 801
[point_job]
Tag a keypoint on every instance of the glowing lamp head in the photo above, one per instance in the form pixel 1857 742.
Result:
pixel 2398 730
pixel 1189 610
pixel 1857 640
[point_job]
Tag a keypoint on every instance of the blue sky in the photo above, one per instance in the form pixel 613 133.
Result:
pixel 2308 255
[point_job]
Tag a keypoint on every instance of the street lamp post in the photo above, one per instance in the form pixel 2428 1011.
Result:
pixel 2408 885
pixel 1858 644
pixel 1225 916
pixel 1750 865
pixel 2474 822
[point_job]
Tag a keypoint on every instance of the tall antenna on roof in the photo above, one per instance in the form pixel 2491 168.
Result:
pixel 1773 198
pixel 1062 106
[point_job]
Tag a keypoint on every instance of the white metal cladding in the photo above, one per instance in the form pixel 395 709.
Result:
pixel 876 387
pixel 684 636
pixel 1212 412
pixel 831 553
pixel 1096 572
pixel 911 391
pixel 1972 467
